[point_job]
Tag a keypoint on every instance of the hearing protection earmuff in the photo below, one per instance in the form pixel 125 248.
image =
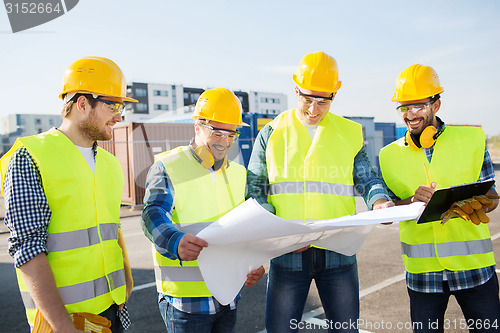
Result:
pixel 205 157
pixel 426 139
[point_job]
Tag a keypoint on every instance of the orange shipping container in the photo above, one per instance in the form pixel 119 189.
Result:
pixel 135 144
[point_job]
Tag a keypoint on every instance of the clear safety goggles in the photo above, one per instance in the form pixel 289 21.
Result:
pixel 220 133
pixel 114 107
pixel 414 108
pixel 319 100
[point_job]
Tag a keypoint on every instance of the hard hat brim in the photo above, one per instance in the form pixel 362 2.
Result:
pixel 128 99
pixel 196 117
pixel 125 99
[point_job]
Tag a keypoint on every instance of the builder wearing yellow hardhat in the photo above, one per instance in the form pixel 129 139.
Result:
pixel 187 188
pixel 305 165
pixel 452 255
pixel 62 197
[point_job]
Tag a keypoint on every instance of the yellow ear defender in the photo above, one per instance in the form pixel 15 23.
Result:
pixel 205 157
pixel 427 138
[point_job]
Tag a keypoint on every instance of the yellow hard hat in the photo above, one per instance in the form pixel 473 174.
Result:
pixel 220 105
pixel 318 71
pixel 417 82
pixel 95 75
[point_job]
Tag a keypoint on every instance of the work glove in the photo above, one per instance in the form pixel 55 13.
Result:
pixel 83 321
pixel 469 209
pixel 91 323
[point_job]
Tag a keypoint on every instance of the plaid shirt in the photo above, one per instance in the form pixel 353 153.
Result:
pixel 366 182
pixel 432 282
pixel 156 222
pixel 28 214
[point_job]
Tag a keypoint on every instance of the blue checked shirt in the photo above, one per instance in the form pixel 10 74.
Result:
pixel 366 181
pixel 28 214
pixel 156 222
pixel 432 282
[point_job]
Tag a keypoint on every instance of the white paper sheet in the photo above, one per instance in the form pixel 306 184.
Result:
pixel 249 236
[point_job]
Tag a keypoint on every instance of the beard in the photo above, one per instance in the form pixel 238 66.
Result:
pixel 426 121
pixel 91 129
pixel 218 156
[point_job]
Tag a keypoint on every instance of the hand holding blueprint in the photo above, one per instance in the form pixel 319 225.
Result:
pixel 249 236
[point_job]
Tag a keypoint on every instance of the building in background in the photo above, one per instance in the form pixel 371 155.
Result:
pixel 17 125
pixel 271 104
pixel 154 100
pixel 175 103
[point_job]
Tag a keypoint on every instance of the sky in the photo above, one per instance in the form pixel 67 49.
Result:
pixel 256 45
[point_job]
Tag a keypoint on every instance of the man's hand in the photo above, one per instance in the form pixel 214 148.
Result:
pixel 424 193
pixel 254 276
pixel 382 203
pixel 41 324
pixel 190 247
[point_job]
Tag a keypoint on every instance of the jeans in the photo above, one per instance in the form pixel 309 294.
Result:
pixel 480 306
pixel 287 292
pixel 112 314
pixel 177 321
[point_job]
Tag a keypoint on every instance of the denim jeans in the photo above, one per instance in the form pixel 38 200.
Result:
pixel 177 321
pixel 287 291
pixel 480 306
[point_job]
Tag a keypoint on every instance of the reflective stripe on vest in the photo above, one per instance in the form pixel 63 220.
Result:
pixel 83 249
pixel 28 302
pixel 192 228
pixel 312 178
pixel 458 244
pixel 199 200
pixel 82 291
pixel 70 240
pixel 448 249
pixel 312 187
pixel 189 274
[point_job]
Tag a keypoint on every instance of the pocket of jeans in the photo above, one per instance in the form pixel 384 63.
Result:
pixel 289 262
pixel 337 260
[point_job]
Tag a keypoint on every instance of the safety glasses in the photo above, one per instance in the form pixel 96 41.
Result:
pixel 115 107
pixel 414 108
pixel 220 133
pixel 319 100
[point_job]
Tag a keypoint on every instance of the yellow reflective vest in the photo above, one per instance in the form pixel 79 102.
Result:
pixel 82 243
pixel 312 179
pixel 457 158
pixel 201 198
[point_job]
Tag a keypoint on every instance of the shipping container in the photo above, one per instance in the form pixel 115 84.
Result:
pixel 248 133
pixel 388 132
pixel 135 144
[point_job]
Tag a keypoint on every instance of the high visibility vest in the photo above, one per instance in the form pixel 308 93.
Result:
pixel 82 243
pixel 430 247
pixel 199 201
pixel 312 179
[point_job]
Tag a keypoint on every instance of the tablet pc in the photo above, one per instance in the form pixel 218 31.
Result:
pixel 443 198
